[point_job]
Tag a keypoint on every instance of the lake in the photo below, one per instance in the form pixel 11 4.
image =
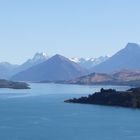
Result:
pixel 41 114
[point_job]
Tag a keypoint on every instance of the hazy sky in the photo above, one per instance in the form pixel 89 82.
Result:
pixel 82 28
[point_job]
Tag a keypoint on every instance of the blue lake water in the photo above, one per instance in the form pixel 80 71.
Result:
pixel 41 114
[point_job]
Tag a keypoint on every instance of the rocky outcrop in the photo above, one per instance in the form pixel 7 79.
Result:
pixel 111 97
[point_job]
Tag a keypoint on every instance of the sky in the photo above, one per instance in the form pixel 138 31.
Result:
pixel 73 28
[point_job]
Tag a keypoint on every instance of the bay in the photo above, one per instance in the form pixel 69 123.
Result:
pixel 41 114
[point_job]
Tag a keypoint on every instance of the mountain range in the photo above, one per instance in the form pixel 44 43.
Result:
pixel 127 58
pixel 56 68
pixel 37 59
pixel 123 77
pixel 89 62
pixel 7 70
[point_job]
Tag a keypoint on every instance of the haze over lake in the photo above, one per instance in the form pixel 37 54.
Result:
pixel 40 113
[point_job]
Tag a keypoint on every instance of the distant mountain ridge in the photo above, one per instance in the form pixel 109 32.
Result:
pixel 37 59
pixel 54 69
pixel 124 77
pixel 6 69
pixel 89 62
pixel 40 68
pixel 127 58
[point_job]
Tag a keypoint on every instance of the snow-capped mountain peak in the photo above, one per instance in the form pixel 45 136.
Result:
pixel 39 56
pixel 37 59
pixel 75 59
pixel 89 62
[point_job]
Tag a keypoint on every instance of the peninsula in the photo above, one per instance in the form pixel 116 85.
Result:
pixel 111 97
pixel 13 85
